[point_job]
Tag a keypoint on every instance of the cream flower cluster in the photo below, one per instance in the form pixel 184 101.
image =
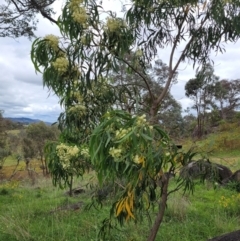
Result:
pixel 61 65
pixel 113 24
pixel 73 4
pixel 80 15
pixel 79 108
pixel 85 152
pixel 122 132
pixel 115 152
pixel 141 120
pixel 76 95
pixel 66 153
pixel 52 41
pixel 139 159
pixel 99 89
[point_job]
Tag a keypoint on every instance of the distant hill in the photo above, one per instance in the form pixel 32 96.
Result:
pixel 26 121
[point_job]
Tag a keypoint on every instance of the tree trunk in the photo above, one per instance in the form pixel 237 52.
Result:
pixel 46 167
pixel 153 112
pixel 70 186
pixel 43 166
pixel 14 172
pixel 162 207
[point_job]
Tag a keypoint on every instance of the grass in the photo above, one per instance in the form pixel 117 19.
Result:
pixel 10 167
pixel 33 214
pixel 222 147
pixel 36 212
pixel 10 161
pixel 14 132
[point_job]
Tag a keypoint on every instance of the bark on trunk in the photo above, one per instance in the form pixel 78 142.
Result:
pixel 162 207
pixel 70 187
pixel 43 166
pixel 46 167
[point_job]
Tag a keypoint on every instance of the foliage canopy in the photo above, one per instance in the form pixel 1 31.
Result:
pixel 18 17
pixel 94 43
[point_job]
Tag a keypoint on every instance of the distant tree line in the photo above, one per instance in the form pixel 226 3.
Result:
pixel 4 151
pixel 28 143
pixel 214 99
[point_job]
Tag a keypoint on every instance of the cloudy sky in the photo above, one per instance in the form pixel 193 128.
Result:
pixel 22 93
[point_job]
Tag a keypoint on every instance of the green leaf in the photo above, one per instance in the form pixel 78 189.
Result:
pixel 146 137
pixel 124 138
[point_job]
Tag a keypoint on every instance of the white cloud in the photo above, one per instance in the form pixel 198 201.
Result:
pixel 226 66
pixel 22 93
pixel 21 89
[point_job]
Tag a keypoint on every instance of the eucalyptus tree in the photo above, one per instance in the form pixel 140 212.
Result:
pixel 18 17
pixel 76 68
pixel 227 97
pixel 133 95
pixel 39 134
pixel 201 90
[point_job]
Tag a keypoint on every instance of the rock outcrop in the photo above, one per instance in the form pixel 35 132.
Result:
pixel 207 170
pixel 233 236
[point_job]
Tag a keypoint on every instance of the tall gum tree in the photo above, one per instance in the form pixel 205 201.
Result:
pixel 201 90
pixel 75 67
pixel 19 17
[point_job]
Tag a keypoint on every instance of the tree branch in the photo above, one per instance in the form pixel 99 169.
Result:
pixel 141 75
pixel 173 70
pixel 43 13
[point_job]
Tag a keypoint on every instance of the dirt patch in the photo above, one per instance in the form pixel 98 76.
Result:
pixel 20 172
pixel 68 207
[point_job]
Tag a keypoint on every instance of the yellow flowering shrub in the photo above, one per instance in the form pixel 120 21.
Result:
pixel 66 153
pixel 230 203
pixel 9 185
pixel 66 161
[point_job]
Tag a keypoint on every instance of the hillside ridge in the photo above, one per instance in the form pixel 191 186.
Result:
pixel 25 120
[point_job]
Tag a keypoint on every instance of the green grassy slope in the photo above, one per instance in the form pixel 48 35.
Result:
pixel 42 212
pixel 222 147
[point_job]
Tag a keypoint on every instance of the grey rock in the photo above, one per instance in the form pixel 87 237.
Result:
pixel 233 236
pixel 205 169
